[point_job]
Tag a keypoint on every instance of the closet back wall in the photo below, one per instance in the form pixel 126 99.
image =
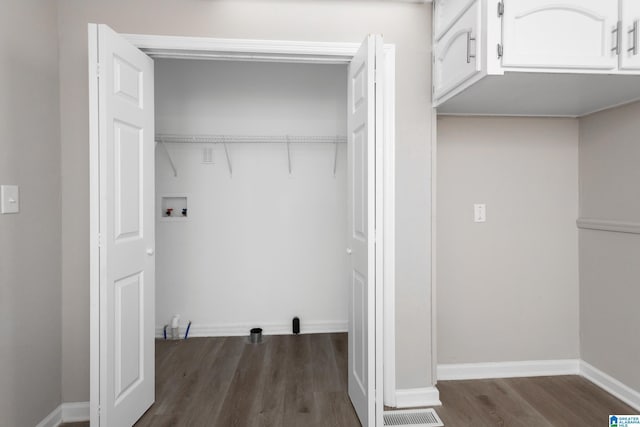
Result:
pixel 259 246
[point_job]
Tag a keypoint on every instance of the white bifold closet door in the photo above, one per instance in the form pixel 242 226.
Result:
pixel 122 141
pixel 364 127
pixel 126 185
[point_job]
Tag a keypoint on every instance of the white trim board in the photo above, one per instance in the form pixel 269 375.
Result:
pixel 536 368
pixel 609 225
pixel 417 397
pixel 531 368
pixel 242 329
pixel 54 419
pixel 66 413
pixel 75 412
pixel 611 385
pixel 389 218
pixel 243 49
pixel 434 249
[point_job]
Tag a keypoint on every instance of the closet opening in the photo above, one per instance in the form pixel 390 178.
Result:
pixel 251 196
pixel 252 232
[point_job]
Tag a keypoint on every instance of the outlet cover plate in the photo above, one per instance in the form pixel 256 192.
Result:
pixel 479 212
pixel 9 199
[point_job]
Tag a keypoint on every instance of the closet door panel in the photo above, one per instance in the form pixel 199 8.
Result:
pixel 123 296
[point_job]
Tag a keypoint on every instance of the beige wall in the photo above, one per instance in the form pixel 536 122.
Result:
pixel 407 25
pixel 30 337
pixel 508 288
pixel 610 262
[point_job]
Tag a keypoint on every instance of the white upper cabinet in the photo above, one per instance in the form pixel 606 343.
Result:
pixel 580 34
pixel 458 51
pixel 535 57
pixel 630 34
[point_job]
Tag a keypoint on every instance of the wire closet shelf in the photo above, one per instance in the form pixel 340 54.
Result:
pixel 229 139
pixel 223 139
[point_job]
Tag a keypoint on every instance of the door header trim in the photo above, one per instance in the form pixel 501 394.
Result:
pixel 206 48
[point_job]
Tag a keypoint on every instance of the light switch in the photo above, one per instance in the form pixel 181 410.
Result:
pixel 480 212
pixel 9 199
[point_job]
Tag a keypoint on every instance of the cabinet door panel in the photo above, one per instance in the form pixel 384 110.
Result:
pixel 446 12
pixel 630 37
pixel 458 53
pixel 560 34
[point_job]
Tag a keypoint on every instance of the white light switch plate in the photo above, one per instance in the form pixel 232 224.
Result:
pixel 480 212
pixel 9 199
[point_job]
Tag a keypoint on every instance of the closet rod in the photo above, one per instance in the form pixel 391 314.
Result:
pixel 221 139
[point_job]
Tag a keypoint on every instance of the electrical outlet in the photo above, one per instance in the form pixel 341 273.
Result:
pixel 480 212
pixel 207 156
pixel 10 199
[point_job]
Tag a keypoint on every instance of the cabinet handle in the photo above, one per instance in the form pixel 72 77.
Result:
pixel 634 38
pixel 469 54
pixel 615 38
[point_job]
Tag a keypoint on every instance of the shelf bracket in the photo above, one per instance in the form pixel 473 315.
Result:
pixel 226 153
pixel 166 150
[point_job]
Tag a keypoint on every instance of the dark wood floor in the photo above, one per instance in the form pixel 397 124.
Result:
pixel 284 381
pixel 569 401
pixel 302 381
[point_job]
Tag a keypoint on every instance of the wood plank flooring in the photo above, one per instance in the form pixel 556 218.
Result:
pixel 562 401
pixel 284 381
pixel 301 381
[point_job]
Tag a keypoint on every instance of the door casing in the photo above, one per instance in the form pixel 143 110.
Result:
pixel 283 52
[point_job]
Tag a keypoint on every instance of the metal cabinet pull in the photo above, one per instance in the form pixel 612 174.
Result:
pixel 634 38
pixel 469 54
pixel 615 38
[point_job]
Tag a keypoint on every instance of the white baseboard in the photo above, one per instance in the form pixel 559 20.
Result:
pixel 75 411
pixel 415 397
pixel 66 413
pixel 608 383
pixel 535 368
pixel 532 368
pixel 430 396
pixel 54 419
pixel 242 329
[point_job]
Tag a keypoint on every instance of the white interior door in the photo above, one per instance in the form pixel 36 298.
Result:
pixel 125 182
pixel 363 129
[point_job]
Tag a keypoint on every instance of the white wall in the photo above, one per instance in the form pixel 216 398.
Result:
pixel 261 246
pixel 405 24
pixel 610 262
pixel 508 288
pixel 30 313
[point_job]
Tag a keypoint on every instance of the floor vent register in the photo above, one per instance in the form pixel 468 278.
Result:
pixel 412 418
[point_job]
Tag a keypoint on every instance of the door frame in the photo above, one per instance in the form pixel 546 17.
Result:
pixel 283 52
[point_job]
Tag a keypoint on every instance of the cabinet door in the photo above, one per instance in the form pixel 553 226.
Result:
pixel 446 13
pixel 630 36
pixel 458 53
pixel 575 34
